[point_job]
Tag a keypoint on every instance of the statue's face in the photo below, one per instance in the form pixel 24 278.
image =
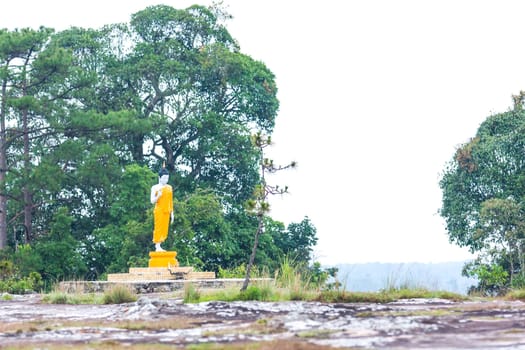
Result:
pixel 164 179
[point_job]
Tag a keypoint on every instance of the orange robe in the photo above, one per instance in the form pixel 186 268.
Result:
pixel 161 214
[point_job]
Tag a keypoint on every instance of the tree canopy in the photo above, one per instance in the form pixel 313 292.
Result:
pixel 88 116
pixel 484 196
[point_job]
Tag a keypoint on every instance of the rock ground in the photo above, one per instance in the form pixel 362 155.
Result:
pixel 160 320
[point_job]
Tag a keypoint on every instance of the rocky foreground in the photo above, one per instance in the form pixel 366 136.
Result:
pixel 159 321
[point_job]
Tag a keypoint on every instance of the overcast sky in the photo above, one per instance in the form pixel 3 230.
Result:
pixel 375 96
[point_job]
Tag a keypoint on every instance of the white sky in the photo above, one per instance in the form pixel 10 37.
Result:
pixel 375 97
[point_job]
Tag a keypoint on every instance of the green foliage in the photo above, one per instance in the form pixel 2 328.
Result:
pixel 299 239
pixel 518 282
pixel 289 274
pixel 202 236
pixel 256 292
pixel 60 250
pixel 483 189
pixel 237 272
pixel 492 278
pixel 290 285
pixel 136 245
pixel 132 191
pixel 318 277
pixel 58 298
pixel 7 269
pixel 86 121
pixel 240 271
pixel 15 285
pixel 26 260
pixel 12 282
pixel 6 297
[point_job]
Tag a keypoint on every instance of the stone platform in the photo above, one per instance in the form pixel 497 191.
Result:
pixel 156 286
pixel 138 274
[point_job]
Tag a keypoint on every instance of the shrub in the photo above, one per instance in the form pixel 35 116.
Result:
pixel 260 293
pixel 240 272
pixel 58 298
pixel 517 294
pixel 493 279
pixel 7 269
pixel 518 281
pixel 14 285
pixel 7 297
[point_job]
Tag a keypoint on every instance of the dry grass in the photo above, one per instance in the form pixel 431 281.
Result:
pixel 179 322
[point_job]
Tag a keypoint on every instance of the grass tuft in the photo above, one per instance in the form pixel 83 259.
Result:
pixel 119 295
pixel 191 294
pixel 6 297
pixel 516 294
pixel 72 299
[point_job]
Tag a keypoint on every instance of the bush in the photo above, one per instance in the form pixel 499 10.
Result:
pixel 7 269
pixel 14 285
pixel 240 272
pixel 492 279
pixel 518 294
pixel 518 281
pixel 58 298
pixel 260 293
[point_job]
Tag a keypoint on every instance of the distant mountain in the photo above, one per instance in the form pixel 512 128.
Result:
pixel 371 277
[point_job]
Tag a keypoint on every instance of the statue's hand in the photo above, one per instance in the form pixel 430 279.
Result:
pixel 156 196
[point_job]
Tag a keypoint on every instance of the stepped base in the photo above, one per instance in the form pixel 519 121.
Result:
pixel 144 287
pixel 139 274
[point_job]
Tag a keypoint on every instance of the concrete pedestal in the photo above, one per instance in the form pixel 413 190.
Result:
pixel 163 259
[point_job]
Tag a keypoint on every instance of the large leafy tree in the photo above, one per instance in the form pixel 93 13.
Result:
pixel 202 96
pixel 33 76
pixel 484 193
pixel 87 115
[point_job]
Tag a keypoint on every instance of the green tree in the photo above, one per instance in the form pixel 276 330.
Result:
pixel 26 67
pixel 128 205
pixel 483 189
pixel 183 77
pixel 201 237
pixel 299 240
pixel 60 251
pixel 86 113
pixel 503 231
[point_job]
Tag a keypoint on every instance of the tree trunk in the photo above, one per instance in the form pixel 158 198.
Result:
pixel 3 168
pixel 137 144
pixel 511 260
pixel 28 196
pixel 254 251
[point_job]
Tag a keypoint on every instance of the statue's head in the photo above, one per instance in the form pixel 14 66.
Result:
pixel 163 176
pixel 163 171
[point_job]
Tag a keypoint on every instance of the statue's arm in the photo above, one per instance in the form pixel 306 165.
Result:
pixel 155 194
pixel 171 205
